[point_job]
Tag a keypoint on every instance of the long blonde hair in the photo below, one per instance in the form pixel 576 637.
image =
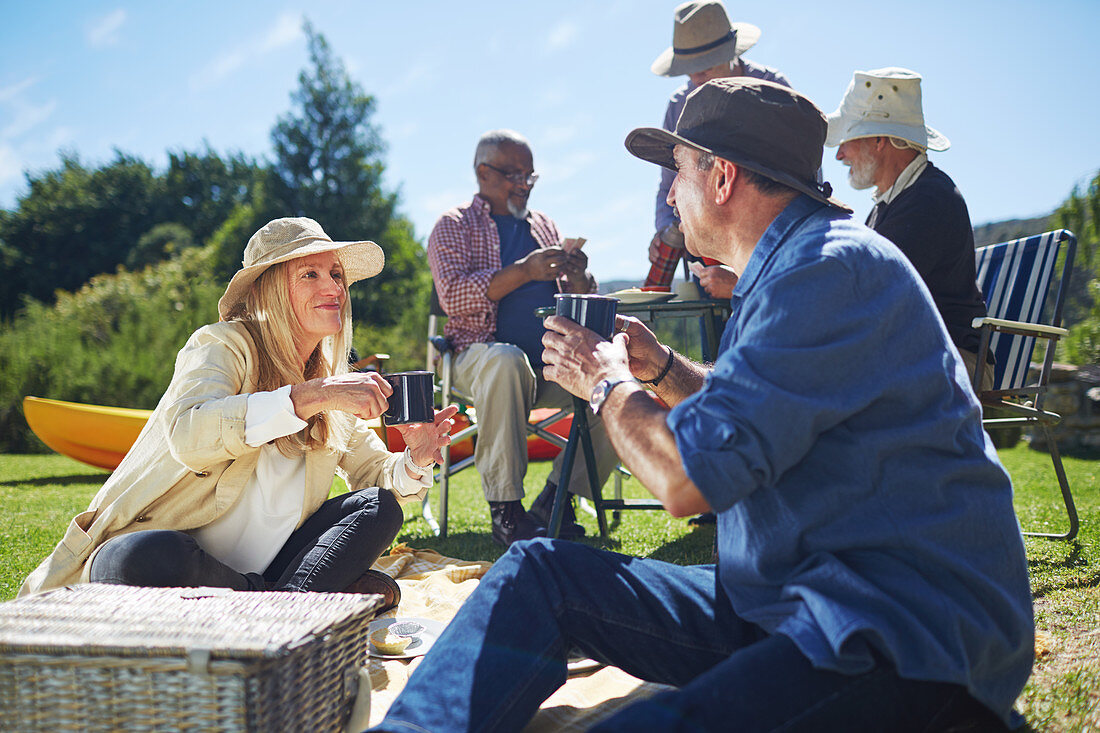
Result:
pixel 270 320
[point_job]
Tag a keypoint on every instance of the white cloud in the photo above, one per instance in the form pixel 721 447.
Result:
pixel 284 31
pixel 26 118
pixel 287 28
pixel 561 35
pixel 9 93
pixel 104 32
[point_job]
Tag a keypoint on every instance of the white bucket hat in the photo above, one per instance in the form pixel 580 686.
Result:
pixel 288 239
pixel 702 37
pixel 883 102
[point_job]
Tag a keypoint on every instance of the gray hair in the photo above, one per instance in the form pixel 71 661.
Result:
pixel 491 141
pixel 759 181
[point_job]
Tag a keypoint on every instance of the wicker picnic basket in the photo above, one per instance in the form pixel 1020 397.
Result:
pixel 97 657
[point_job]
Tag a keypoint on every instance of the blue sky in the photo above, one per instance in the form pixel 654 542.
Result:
pixel 1012 84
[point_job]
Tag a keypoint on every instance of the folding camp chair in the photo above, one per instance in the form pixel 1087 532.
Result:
pixel 440 360
pixel 1016 278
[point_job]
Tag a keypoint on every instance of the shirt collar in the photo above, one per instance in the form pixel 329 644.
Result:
pixel 481 205
pixel 781 227
pixel 905 179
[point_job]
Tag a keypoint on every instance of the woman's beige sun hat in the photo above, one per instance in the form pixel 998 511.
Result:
pixel 288 239
pixel 702 37
pixel 883 102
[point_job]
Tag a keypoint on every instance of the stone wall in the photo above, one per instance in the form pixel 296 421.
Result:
pixel 1074 393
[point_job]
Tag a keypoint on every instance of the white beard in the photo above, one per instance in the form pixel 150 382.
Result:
pixel 516 211
pixel 861 173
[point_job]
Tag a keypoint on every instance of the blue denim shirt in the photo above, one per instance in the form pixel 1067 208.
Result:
pixel 860 504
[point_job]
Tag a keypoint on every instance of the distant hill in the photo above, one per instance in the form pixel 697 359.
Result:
pixel 1003 231
pixel 612 285
pixel 990 233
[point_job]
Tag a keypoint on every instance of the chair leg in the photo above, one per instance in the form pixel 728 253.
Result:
pixel 429 516
pixel 578 434
pixel 439 526
pixel 618 493
pixel 590 465
pixel 1063 484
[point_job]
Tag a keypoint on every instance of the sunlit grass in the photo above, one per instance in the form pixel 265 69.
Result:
pixel 39 494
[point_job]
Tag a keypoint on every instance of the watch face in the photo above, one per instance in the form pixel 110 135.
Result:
pixel 599 394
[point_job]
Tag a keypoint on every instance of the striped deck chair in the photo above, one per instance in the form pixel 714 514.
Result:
pixel 1016 278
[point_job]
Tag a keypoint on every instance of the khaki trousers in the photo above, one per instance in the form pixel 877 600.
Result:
pixel 970 358
pixel 504 389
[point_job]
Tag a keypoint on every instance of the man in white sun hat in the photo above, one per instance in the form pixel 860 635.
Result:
pixel 883 139
pixel 705 46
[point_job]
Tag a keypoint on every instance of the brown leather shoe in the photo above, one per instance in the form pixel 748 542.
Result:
pixel 378 583
pixel 511 523
pixel 544 504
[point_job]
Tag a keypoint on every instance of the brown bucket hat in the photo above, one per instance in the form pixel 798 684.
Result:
pixel 765 127
pixel 288 239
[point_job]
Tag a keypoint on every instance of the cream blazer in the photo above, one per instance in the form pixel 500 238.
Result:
pixel 190 463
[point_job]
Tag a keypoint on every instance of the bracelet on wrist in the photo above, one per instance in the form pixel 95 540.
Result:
pixel 665 371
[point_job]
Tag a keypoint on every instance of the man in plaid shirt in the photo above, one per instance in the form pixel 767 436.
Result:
pixel 493 262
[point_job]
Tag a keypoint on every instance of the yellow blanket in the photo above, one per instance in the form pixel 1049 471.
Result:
pixel 434 586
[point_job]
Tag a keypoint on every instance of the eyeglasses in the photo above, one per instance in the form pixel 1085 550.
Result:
pixel 515 176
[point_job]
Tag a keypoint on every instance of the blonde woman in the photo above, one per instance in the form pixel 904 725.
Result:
pixel 227 485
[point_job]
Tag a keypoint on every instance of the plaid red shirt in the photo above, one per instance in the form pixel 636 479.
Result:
pixel 464 254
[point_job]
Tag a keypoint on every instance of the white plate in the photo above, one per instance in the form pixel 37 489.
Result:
pixel 642 296
pixel 421 643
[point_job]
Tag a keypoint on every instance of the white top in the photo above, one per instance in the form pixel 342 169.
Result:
pixel 251 533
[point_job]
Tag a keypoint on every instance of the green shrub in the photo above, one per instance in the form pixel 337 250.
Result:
pixel 112 342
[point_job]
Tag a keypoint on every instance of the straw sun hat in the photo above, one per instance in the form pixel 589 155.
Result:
pixel 883 102
pixel 288 239
pixel 702 37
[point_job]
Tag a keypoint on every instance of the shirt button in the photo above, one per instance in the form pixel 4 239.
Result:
pixel 142 518
pixel 202 474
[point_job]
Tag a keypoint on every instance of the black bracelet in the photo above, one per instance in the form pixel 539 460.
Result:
pixel 665 371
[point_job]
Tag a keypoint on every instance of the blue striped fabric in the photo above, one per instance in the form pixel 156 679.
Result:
pixel 1015 278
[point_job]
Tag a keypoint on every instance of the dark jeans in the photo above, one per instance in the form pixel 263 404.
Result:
pixel 337 544
pixel 505 653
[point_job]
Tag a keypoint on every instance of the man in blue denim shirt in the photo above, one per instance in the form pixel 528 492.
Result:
pixel 871 573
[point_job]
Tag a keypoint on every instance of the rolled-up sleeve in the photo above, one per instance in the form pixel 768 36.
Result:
pixel 790 373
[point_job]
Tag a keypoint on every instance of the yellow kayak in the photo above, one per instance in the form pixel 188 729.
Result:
pixel 94 434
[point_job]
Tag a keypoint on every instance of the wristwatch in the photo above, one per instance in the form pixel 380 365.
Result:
pixel 601 391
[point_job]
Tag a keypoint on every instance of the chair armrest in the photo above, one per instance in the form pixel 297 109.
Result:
pixel 1027 329
pixel 375 360
pixel 440 344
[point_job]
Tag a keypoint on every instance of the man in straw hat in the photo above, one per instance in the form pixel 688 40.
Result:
pixel 883 139
pixel 494 261
pixel 705 46
pixel 871 574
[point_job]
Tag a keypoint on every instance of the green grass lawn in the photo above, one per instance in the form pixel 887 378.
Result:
pixel 39 494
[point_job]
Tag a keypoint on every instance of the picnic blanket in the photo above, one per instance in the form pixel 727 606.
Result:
pixel 434 586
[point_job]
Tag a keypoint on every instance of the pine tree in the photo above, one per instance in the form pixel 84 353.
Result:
pixel 329 167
